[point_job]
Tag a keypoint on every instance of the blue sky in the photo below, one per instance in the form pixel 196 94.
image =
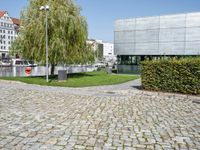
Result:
pixel 101 14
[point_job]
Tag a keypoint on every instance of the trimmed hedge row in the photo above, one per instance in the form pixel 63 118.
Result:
pixel 174 75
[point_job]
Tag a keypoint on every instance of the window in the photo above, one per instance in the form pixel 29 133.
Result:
pixel 3 31
pixel 18 62
pixel 4 47
pixel 4 42
pixel 1 47
pixel 127 60
pixel 0 31
pixel 3 55
pixel 4 24
pixel 1 23
pixel 8 37
pixel 8 32
pixel 11 32
pixel 3 36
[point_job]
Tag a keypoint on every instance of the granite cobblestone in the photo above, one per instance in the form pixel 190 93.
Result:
pixel 128 120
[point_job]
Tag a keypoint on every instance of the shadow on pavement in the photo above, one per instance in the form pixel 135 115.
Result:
pixel 137 87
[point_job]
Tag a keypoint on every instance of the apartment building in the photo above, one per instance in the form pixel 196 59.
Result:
pixel 104 51
pixel 108 52
pixel 9 29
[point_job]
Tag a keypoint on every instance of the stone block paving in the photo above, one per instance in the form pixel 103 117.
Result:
pixel 128 120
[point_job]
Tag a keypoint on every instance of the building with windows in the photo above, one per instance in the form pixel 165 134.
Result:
pixel 108 52
pixel 97 47
pixel 153 37
pixel 103 51
pixel 9 29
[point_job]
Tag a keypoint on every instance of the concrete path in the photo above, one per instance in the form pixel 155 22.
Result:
pixel 95 90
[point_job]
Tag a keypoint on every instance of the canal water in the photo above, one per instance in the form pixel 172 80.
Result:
pixel 19 71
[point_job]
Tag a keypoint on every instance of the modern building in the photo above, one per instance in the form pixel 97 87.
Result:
pixel 168 35
pixel 9 29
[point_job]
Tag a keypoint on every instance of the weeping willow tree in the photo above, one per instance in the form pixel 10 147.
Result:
pixel 67 31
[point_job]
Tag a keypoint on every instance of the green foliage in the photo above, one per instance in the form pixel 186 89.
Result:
pixel 175 75
pixel 67 31
pixel 99 52
pixel 78 80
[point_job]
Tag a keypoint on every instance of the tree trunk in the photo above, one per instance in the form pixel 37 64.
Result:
pixel 52 69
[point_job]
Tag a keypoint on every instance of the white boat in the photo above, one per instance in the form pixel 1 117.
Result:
pixel 23 63
pixel 5 64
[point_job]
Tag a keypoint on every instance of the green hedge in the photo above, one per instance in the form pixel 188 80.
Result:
pixel 175 75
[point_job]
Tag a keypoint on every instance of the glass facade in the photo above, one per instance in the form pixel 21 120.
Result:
pixel 128 60
pixel 162 35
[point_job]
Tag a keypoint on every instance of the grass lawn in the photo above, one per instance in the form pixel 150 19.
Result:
pixel 77 80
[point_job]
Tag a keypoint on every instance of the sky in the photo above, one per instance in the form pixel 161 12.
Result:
pixel 101 14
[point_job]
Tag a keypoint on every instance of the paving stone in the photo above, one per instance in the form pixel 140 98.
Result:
pixel 37 117
pixel 79 146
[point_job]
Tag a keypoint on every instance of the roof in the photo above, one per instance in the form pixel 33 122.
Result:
pixel 16 21
pixel 2 13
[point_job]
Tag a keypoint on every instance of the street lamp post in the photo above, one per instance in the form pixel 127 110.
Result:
pixel 46 9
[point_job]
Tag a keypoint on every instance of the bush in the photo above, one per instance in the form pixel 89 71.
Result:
pixel 175 75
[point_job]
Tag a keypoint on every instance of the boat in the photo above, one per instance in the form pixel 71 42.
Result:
pixel 23 63
pixel 5 63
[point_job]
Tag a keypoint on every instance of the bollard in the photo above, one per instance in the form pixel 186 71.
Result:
pixel 109 70
pixel 62 75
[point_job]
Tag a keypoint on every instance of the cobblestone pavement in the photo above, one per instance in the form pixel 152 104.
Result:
pixel 126 119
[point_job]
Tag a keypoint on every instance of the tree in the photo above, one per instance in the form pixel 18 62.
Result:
pixel 67 31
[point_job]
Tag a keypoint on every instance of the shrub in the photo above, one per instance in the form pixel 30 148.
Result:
pixel 174 75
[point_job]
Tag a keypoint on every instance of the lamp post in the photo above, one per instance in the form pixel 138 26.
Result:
pixel 46 9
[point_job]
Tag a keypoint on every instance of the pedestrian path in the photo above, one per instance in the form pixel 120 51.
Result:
pixel 95 90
